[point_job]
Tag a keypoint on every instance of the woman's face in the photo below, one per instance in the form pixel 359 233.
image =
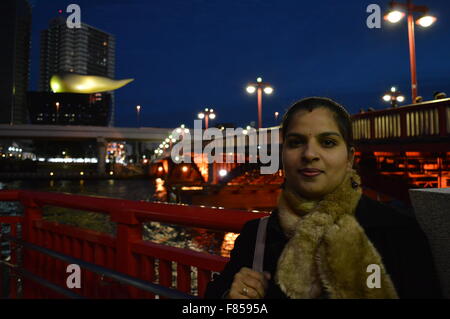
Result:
pixel 313 141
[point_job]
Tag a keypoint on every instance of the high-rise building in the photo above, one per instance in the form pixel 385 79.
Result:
pixel 15 35
pixel 69 108
pixel 85 50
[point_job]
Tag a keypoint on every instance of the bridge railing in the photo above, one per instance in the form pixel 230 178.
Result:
pixel 428 119
pixel 125 252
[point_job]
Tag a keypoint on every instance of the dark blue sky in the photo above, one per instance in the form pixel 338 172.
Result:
pixel 186 55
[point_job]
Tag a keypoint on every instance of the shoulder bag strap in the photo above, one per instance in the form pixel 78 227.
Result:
pixel 258 258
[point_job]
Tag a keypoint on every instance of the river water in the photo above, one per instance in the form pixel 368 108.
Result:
pixel 218 243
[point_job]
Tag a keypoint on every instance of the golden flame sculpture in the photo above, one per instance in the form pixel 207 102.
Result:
pixel 76 83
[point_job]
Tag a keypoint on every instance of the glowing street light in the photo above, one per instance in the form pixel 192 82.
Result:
pixel 57 111
pixel 394 15
pixel 426 21
pixel 276 116
pixel 223 173
pixel 394 97
pixel 251 89
pixel 259 86
pixel 268 90
pixel 208 114
pixel 138 113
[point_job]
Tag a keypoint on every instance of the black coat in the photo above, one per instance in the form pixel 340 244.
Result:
pixel 398 238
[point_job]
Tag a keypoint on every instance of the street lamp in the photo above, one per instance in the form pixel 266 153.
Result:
pixel 208 114
pixel 57 112
pixel 394 15
pixel 259 86
pixel 393 96
pixel 276 116
pixel 138 113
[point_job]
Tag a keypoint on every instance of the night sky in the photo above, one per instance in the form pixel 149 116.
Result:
pixel 186 55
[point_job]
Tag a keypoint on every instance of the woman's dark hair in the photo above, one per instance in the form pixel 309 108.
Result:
pixel 341 116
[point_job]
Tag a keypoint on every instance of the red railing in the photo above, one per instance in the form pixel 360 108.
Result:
pixel 126 252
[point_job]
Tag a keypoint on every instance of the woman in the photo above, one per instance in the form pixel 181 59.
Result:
pixel 326 239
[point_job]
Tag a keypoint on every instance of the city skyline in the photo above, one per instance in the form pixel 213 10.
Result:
pixel 188 55
pixel 85 50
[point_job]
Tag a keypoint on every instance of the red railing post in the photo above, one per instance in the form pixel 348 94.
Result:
pixel 32 213
pixel 203 277
pixel 129 231
pixel 184 278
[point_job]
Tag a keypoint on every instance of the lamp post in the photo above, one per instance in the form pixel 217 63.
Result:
pixel 138 113
pixel 259 87
pixel 393 96
pixel 394 15
pixel 57 112
pixel 208 114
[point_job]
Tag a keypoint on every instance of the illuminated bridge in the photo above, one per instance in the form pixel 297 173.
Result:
pixel 102 134
pixel 396 149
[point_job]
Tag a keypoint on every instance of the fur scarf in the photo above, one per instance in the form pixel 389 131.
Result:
pixel 328 251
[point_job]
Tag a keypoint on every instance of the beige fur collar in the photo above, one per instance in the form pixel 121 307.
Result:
pixel 290 210
pixel 327 248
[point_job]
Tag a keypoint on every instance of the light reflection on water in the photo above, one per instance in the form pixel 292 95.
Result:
pixel 218 243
